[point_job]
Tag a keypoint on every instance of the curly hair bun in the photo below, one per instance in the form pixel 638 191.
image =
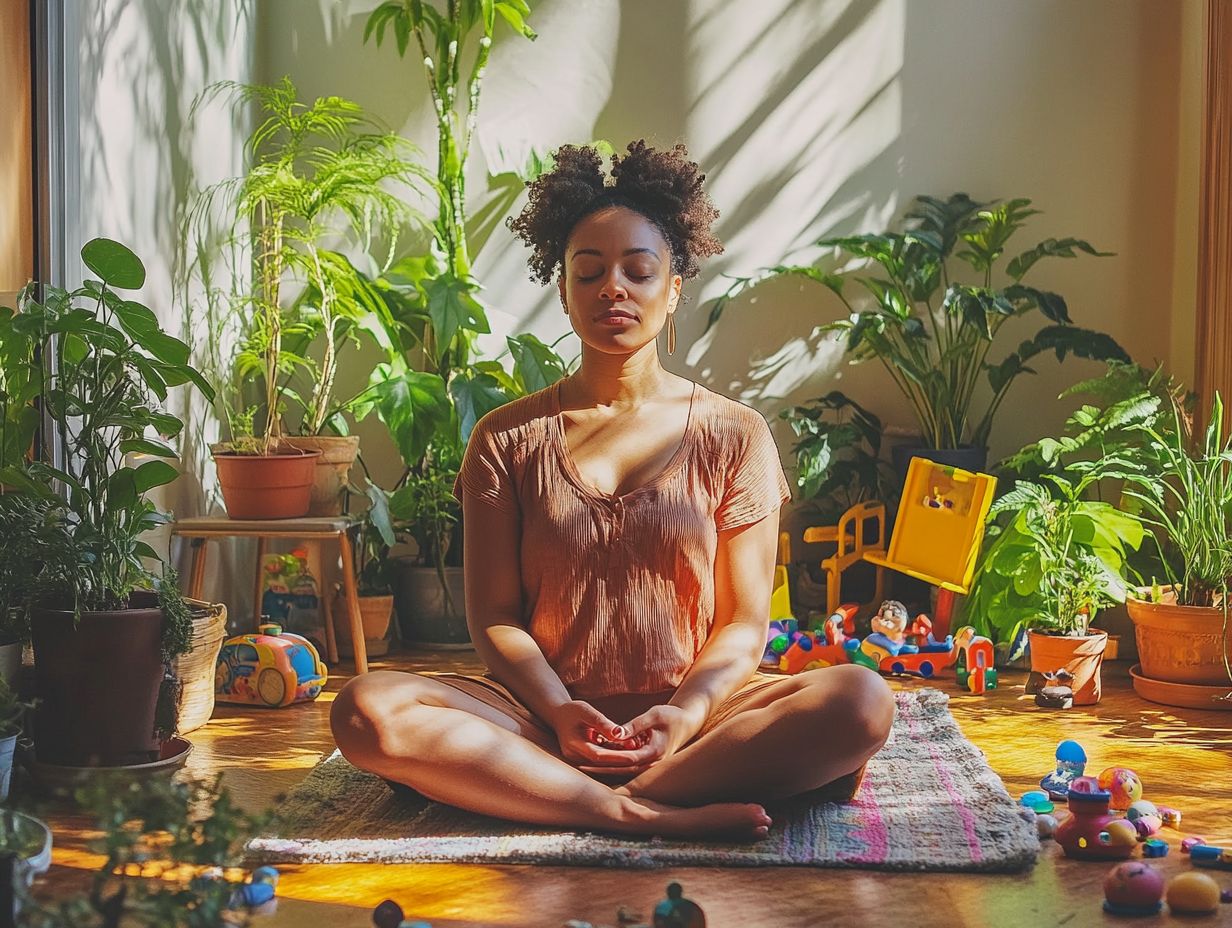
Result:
pixel 660 184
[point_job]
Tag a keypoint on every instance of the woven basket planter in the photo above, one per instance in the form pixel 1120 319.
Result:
pixel 196 668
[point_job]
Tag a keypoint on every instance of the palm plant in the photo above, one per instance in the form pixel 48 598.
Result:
pixel 933 333
pixel 316 171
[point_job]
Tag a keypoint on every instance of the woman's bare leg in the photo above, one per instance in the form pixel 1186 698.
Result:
pixel 459 750
pixel 794 736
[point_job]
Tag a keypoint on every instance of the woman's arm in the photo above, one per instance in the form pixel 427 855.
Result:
pixel 492 543
pixel 743 581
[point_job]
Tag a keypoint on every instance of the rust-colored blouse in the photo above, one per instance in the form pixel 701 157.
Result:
pixel 618 591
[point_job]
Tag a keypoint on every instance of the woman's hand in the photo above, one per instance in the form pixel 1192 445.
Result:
pixel 653 736
pixel 588 739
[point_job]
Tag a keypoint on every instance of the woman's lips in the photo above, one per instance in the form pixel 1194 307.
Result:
pixel 616 318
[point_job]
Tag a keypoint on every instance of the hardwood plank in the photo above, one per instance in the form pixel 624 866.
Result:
pixel 1183 755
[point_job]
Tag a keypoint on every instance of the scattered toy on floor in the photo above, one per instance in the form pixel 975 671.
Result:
pixel 1133 888
pixel 1154 847
pixel 1207 855
pixel 1038 801
pixel 1046 825
pixel 678 912
pixel 1071 762
pixel 261 887
pixel 1057 692
pixel 1124 786
pixel 271 668
pixel 1171 817
pixel 1192 893
pixel 1189 843
pixel 388 914
pixel 1092 832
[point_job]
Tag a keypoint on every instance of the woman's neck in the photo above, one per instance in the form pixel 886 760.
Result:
pixel 621 382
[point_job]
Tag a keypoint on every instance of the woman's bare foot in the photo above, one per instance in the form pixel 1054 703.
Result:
pixel 741 821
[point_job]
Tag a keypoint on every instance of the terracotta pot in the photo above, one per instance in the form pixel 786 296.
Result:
pixel 97 685
pixel 1082 657
pixel 1180 644
pixel 375 612
pixel 266 486
pixel 330 477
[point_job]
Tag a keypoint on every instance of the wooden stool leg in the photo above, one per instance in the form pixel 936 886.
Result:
pixel 327 604
pixel 196 574
pixel 352 598
pixel 258 587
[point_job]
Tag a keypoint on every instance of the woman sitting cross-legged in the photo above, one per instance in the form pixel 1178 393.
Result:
pixel 620 530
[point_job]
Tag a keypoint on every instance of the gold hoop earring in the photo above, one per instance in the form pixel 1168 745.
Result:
pixel 671 333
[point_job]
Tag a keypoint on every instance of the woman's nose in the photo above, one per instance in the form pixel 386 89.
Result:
pixel 612 288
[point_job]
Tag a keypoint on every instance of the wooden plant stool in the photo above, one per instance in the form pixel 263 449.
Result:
pixel 339 528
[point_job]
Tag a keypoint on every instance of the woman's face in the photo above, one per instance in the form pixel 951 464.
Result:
pixel 617 281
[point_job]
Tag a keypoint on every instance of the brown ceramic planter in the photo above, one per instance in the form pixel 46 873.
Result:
pixel 1180 644
pixel 266 486
pixel 1082 657
pixel 330 476
pixel 97 685
pixel 375 613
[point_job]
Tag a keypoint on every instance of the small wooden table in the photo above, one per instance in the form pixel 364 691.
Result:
pixel 201 530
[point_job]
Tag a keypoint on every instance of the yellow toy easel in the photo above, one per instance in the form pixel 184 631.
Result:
pixel 936 538
pixel 780 596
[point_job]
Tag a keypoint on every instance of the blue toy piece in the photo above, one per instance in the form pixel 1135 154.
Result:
pixel 1211 857
pixel 260 889
pixel 1154 847
pixel 1071 762
pixel 271 668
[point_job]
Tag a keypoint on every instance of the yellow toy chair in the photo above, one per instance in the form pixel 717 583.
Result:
pixel 936 538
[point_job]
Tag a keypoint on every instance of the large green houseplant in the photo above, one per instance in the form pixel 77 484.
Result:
pixel 319 177
pixel 435 386
pixel 933 332
pixel 104 627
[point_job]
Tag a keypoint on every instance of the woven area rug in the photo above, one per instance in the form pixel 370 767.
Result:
pixel 929 801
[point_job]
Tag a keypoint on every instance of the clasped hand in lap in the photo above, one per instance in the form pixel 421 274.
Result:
pixel 596 745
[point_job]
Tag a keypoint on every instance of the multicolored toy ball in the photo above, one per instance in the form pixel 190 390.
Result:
pixel 1124 785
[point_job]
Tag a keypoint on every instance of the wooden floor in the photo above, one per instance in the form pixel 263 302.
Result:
pixel 1184 757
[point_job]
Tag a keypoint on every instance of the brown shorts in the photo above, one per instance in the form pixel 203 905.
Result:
pixel 488 691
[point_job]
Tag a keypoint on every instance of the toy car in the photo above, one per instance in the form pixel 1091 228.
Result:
pixel 271 668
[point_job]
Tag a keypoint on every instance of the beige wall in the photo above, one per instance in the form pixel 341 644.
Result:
pixel 814 118
pixel 16 203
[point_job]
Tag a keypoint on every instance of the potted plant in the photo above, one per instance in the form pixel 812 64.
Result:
pixel 1052 559
pixel 317 173
pixel 933 333
pixel 171 853
pixel 29 840
pixel 1182 627
pixel 374 576
pixel 12 717
pixel 104 627
pixel 434 387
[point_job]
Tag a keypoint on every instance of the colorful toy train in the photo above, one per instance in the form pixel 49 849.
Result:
pixel 791 649
pixel 271 668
